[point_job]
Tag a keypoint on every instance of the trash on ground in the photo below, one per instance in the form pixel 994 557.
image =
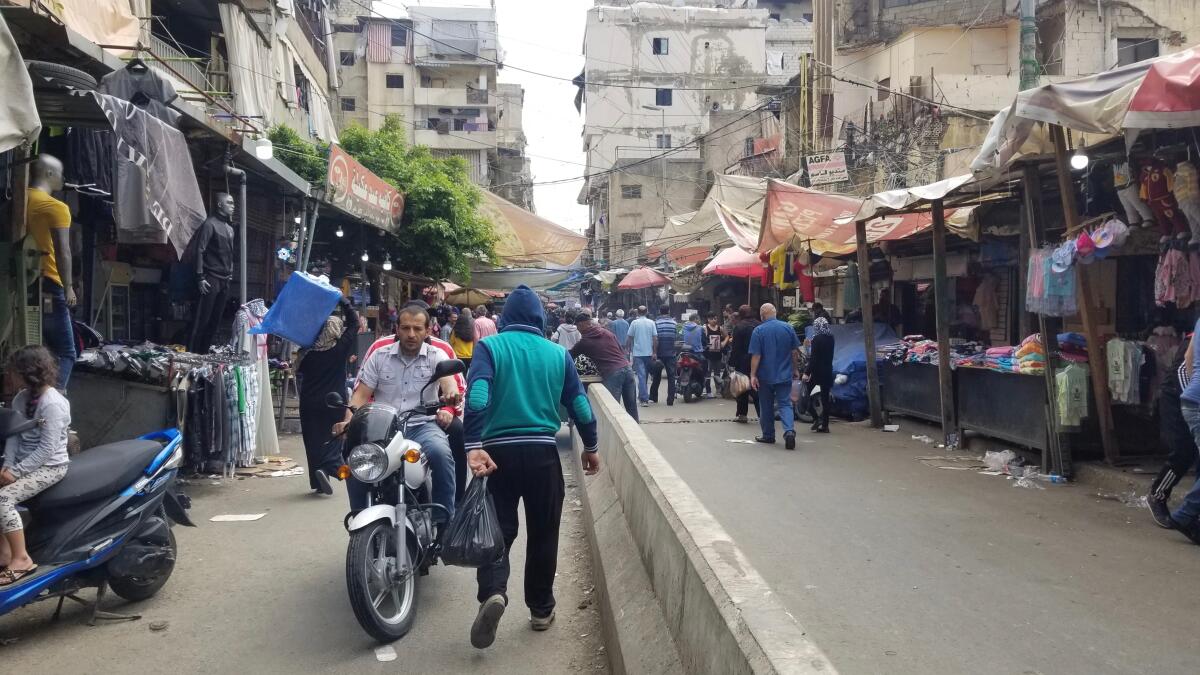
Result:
pixel 236 517
pixel 956 468
pixel 157 626
pixel 891 427
pixel 923 438
pixel 294 471
pixel 998 460
pixel 952 461
pixel 1131 499
pixel 385 653
pixel 739 440
pixel 1029 482
pixel 992 473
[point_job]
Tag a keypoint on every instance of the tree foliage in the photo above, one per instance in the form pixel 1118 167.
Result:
pixel 307 159
pixel 442 232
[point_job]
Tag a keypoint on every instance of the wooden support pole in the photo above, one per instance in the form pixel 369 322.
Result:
pixel 1097 359
pixel 941 294
pixel 1056 458
pixel 868 317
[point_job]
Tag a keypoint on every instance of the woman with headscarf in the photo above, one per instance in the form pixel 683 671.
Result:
pixel 462 338
pixel 323 369
pixel 819 372
pixel 739 358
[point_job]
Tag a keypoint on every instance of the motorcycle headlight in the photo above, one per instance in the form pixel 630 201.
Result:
pixel 367 462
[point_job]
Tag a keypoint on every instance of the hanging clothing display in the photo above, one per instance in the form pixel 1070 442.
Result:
pixel 1048 292
pixel 1129 192
pixel 1187 194
pixel 1125 360
pixel 1173 279
pixel 1071 387
pixel 1157 185
pixel 260 417
pixel 851 301
pixel 985 300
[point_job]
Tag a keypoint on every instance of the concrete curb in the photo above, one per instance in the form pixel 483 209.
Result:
pixel 722 616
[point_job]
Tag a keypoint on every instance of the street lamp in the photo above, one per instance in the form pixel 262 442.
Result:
pixel 387 263
pixel 263 149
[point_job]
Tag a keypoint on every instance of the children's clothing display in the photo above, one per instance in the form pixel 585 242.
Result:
pixel 1049 292
pixel 1187 195
pixel 1071 387
pixel 1137 212
pixel 1157 188
pixel 1125 360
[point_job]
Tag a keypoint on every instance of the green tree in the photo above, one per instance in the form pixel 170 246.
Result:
pixel 442 232
pixel 307 159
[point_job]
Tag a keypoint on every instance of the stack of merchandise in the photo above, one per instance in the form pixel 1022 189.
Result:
pixel 920 349
pixel 1001 358
pixel 1073 347
pixel 1031 356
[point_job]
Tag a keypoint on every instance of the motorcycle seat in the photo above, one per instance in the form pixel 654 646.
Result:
pixel 100 472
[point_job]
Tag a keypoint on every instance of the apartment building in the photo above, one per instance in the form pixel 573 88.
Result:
pixel 657 78
pixel 436 68
pixel 915 80
pixel 512 176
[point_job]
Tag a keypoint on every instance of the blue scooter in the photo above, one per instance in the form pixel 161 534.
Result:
pixel 105 525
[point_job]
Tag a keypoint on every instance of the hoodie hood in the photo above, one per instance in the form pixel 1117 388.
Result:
pixel 569 329
pixel 523 309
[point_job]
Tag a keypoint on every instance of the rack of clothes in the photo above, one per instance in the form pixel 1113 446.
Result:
pixel 216 404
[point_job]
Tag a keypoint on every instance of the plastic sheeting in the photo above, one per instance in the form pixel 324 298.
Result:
pixel 732 212
pixel 18 116
pixel 104 22
pixel 248 50
pixel 528 239
pixel 850 358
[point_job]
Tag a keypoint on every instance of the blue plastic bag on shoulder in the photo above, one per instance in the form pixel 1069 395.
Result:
pixel 303 305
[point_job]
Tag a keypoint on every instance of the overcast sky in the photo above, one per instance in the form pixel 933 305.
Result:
pixel 545 36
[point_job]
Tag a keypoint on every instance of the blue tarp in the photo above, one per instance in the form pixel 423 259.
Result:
pixel 850 359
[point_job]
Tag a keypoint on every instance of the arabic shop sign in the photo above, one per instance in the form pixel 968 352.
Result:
pixel 825 168
pixel 353 188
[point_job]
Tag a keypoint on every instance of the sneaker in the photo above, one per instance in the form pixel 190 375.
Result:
pixel 741 419
pixel 1160 513
pixel 541 623
pixel 644 404
pixel 1190 530
pixel 483 631
pixel 323 484
pixel 768 441
pixel 789 440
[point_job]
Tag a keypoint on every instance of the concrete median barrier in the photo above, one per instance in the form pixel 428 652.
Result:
pixel 676 593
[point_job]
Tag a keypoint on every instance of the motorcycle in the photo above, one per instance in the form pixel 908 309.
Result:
pixel 396 538
pixel 106 524
pixel 689 369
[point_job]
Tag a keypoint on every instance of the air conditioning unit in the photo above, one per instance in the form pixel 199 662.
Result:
pixel 715 107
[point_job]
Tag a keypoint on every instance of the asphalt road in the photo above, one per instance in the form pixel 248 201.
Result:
pixel 895 566
pixel 269 597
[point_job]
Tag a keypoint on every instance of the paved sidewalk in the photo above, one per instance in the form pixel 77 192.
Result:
pixel 269 597
pixel 897 566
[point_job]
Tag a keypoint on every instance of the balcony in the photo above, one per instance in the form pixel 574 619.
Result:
pixel 455 140
pixel 452 98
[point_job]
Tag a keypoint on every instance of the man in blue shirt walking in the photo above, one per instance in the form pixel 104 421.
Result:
pixel 640 344
pixel 620 328
pixel 664 351
pixel 773 348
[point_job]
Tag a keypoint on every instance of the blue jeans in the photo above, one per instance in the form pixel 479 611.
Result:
pixel 436 446
pixel 642 365
pixel 57 332
pixel 1189 510
pixel 621 385
pixel 774 397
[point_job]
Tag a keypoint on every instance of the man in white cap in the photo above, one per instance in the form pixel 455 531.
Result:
pixel 620 328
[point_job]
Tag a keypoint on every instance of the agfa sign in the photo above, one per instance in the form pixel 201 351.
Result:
pixel 353 188
pixel 827 167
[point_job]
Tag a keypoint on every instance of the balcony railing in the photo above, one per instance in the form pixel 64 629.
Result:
pixel 194 81
pixel 451 97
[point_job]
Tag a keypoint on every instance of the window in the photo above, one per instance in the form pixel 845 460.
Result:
pixel 660 46
pixel 664 141
pixel 630 192
pixel 301 88
pixel 395 81
pixel 399 36
pixel 346 58
pixel 631 238
pixel 347 104
pixel 460 124
pixel 1132 50
pixel 807 16
pixel 662 97
pixel 773 16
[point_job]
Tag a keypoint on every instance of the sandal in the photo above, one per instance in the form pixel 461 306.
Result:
pixel 9 577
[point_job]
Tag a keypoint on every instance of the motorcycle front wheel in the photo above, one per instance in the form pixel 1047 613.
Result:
pixel 384 601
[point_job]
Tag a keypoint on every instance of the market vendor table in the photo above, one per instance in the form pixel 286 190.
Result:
pixel 1008 406
pixel 109 409
pixel 911 389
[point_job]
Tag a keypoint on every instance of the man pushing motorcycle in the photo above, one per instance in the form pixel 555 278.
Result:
pixel 396 375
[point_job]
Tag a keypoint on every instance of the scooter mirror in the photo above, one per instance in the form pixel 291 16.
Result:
pixel 447 368
pixel 335 400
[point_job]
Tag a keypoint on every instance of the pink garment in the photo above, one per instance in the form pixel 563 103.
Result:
pixel 1172 280
pixel 484 327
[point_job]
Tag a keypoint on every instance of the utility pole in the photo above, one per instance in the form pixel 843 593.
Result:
pixel 1029 62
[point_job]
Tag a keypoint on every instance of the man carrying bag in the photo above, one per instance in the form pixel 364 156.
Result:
pixel 517 381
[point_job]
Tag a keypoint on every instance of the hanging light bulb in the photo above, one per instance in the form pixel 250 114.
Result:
pixel 297 219
pixel 1079 160
pixel 339 234
pixel 263 149
pixel 365 257
pixel 387 263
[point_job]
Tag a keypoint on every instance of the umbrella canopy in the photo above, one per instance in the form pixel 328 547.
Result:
pixel 735 262
pixel 643 277
pixel 1162 92
pixel 472 297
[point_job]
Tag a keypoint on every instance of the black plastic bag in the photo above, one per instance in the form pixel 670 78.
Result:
pixel 474 538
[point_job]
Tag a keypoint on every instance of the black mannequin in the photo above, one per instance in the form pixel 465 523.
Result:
pixel 214 272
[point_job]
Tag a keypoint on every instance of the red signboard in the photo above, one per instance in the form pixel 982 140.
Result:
pixel 357 191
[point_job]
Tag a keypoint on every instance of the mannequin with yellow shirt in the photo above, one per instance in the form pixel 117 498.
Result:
pixel 49 223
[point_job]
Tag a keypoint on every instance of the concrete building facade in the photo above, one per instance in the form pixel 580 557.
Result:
pixel 657 77
pixel 437 69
